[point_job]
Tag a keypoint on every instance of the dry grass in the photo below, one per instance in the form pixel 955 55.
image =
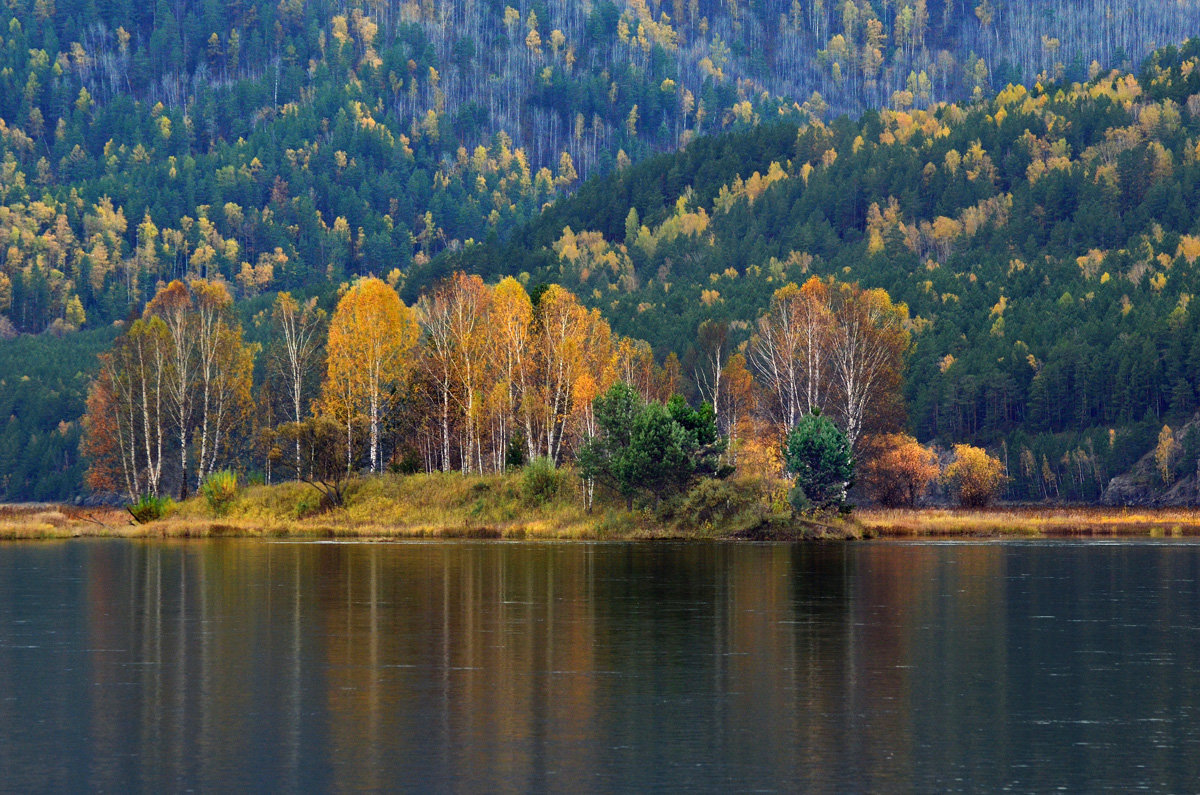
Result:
pixel 1030 521
pixel 62 521
pixel 439 505
pixel 453 506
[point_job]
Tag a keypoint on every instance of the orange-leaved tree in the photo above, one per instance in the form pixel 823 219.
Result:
pixel 736 402
pixel 560 323
pixel 124 427
pixel 897 469
pixel 370 336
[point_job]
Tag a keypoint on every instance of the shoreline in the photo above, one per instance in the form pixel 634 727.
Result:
pixel 56 522
pixel 1032 522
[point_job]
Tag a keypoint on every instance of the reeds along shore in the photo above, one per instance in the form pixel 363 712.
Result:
pixel 1034 521
pixel 500 507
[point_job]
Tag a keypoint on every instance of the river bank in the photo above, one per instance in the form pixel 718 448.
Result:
pixel 507 507
pixel 443 505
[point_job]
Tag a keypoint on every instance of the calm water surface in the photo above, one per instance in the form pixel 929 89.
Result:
pixel 229 665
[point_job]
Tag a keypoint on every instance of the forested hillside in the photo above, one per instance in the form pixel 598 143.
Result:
pixel 278 143
pixel 299 144
pixel 1045 242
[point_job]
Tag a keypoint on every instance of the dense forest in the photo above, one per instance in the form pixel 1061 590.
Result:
pixel 296 146
pixel 275 144
pixel 1044 242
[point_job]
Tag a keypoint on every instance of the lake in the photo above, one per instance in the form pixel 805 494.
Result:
pixel 484 666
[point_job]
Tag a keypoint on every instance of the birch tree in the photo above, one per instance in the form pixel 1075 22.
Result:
pixel 790 349
pixel 512 314
pixel 298 334
pixel 560 323
pixel 124 423
pixel 173 304
pixel 869 341
pixel 211 304
pixel 371 335
pixel 437 358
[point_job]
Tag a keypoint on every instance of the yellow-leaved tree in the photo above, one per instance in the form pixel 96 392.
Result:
pixel 512 315
pixel 370 336
pixel 974 478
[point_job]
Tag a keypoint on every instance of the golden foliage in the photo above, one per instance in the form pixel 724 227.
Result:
pixel 370 335
pixel 974 477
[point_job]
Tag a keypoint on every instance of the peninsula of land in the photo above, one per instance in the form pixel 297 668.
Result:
pixel 453 506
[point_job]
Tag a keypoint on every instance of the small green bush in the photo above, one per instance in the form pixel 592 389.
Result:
pixel 148 508
pixel 540 482
pixel 799 501
pixel 220 489
pixel 715 502
pixel 514 455
pixel 406 463
pixel 310 503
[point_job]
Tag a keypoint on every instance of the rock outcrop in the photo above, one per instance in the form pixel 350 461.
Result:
pixel 1142 485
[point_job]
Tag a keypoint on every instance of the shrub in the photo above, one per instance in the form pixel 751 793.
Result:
pixel 974 477
pixel 408 463
pixel 308 504
pixel 149 508
pixel 220 489
pixel 799 500
pixel 540 482
pixel 726 506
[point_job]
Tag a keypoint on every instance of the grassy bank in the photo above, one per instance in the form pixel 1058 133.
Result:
pixel 509 506
pixel 451 505
pixel 63 521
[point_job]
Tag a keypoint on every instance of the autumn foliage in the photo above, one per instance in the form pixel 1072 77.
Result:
pixel 370 337
pixel 974 477
pixel 832 347
pixel 181 376
pixel 473 377
pixel 898 470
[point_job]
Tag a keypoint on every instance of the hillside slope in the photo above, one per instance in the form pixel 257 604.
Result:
pixel 1045 242
pixel 297 145
pixel 282 144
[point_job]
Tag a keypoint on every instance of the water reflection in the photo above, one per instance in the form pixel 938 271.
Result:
pixel 483 666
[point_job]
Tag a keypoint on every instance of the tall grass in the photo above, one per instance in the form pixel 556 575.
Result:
pixel 1033 521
